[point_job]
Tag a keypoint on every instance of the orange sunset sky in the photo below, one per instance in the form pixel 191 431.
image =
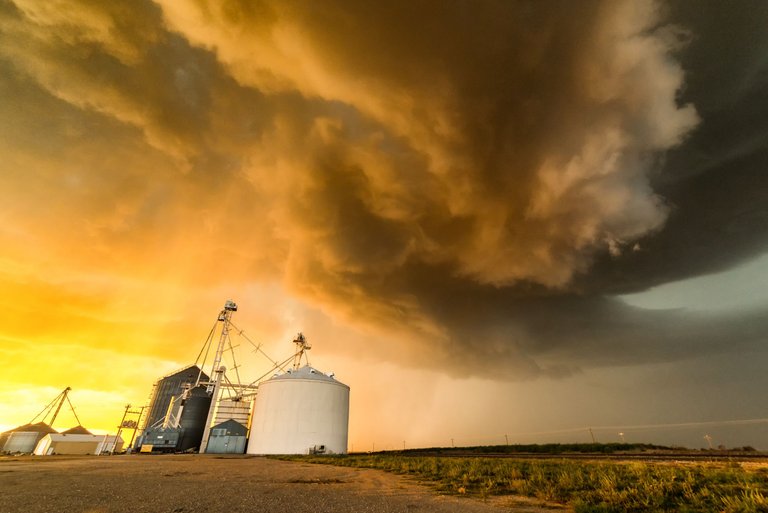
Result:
pixel 489 218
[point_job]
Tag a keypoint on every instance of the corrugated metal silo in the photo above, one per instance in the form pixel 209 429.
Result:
pixel 165 389
pixel 193 417
pixel 188 432
pixel 299 412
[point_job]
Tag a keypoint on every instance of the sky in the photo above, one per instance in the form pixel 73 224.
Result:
pixel 496 220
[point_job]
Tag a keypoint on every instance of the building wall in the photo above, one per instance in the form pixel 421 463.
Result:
pixel 239 411
pixel 73 447
pixel 22 441
pixel 77 444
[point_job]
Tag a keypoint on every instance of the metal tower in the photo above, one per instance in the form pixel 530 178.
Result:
pixel 58 401
pixel 217 375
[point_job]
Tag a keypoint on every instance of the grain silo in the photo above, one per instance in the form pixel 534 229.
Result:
pixel 299 412
pixel 182 404
pixel 165 389
pixel 184 424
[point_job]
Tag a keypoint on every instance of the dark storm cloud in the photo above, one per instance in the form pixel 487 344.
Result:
pixel 716 182
pixel 501 103
pixel 473 177
pixel 534 126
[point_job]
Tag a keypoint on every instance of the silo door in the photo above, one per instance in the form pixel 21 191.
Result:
pixel 226 445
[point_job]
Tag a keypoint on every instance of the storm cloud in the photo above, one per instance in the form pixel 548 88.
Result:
pixel 481 178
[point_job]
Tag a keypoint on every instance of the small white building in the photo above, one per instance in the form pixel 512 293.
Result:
pixel 24 439
pixel 299 412
pixel 62 443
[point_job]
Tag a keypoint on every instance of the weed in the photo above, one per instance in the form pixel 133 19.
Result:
pixel 588 486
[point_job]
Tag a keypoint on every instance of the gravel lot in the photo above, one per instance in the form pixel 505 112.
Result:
pixel 194 483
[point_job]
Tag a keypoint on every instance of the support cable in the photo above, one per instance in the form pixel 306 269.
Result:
pixel 273 369
pixel 71 407
pixel 258 348
pixel 58 408
pixel 235 366
pixel 207 341
pixel 207 348
pixel 46 410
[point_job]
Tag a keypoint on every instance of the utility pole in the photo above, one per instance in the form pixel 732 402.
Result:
pixel 120 427
pixel 136 427
pixel 128 424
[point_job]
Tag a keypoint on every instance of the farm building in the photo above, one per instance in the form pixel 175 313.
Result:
pixel 24 439
pixel 229 437
pixel 62 443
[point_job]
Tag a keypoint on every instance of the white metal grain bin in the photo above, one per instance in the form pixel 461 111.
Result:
pixel 299 412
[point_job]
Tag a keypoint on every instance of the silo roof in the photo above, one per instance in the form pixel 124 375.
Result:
pixel 305 372
pixel 190 370
pixel 39 427
pixel 77 430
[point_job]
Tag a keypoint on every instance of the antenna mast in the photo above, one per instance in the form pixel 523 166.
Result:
pixel 302 345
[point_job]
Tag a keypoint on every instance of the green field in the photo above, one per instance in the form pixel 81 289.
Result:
pixel 592 485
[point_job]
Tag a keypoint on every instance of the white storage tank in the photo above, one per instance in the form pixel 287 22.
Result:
pixel 299 412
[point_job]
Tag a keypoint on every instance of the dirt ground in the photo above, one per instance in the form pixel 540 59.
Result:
pixel 216 484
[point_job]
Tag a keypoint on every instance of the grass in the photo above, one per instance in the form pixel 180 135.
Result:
pixel 587 486
pixel 594 448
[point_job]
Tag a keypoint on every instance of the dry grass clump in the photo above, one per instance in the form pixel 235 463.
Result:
pixel 588 486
